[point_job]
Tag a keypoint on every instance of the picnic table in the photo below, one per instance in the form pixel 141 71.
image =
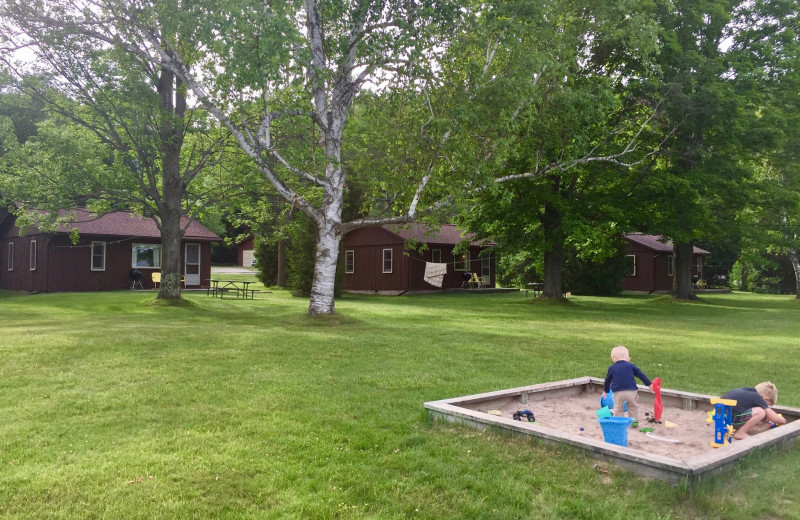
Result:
pixel 240 287
pixel 534 287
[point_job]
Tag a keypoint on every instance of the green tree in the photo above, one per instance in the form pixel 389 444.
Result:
pixel 121 134
pixel 711 118
pixel 771 223
pixel 550 129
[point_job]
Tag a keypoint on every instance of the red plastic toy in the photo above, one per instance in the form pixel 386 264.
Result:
pixel 657 406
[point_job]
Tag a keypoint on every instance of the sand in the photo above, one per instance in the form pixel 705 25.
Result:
pixel 681 435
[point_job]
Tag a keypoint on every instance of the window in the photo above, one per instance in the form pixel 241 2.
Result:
pixel 669 265
pixel 486 267
pixel 98 256
pixel 349 261
pixel 387 260
pixel 11 256
pixel 700 267
pixel 630 265
pixel 461 262
pixel 146 255
pixel 436 256
pixel 33 255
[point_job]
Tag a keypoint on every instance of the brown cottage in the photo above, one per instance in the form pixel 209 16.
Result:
pixel 376 259
pixel 649 264
pixel 246 252
pixel 110 246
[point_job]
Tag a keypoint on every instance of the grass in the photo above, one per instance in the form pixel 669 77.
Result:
pixel 113 407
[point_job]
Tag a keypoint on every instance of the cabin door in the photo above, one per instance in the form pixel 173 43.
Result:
pixel 191 268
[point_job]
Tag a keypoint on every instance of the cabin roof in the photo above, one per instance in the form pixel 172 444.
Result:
pixel 126 223
pixel 658 243
pixel 445 234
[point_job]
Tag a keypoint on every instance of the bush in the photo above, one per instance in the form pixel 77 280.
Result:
pixel 300 259
pixel 592 278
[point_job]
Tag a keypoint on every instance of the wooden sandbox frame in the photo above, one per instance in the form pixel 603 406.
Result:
pixel 471 410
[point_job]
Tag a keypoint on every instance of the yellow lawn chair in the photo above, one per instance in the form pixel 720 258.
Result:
pixel 475 281
pixel 156 277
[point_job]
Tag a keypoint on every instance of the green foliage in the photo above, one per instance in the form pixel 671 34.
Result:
pixel 23 112
pixel 766 274
pixel 593 277
pixel 518 268
pixel 266 254
pixel 301 255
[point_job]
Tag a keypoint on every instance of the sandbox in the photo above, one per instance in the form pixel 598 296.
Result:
pixel 679 448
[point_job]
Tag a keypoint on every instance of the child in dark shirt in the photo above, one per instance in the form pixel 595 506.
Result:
pixel 753 405
pixel 621 379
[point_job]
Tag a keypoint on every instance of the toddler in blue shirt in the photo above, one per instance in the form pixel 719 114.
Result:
pixel 621 378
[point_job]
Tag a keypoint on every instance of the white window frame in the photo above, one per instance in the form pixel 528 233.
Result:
pixel 670 265
pixel 436 256
pixel 156 260
pixel 486 267
pixel 11 256
pixel 91 260
pixel 349 261
pixel 461 261
pixel 633 272
pixel 384 259
pixel 33 254
pixel 700 267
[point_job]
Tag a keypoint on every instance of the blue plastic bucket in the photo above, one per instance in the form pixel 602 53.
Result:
pixel 615 429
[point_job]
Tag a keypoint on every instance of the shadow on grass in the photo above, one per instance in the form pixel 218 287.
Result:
pixel 321 321
pixel 173 302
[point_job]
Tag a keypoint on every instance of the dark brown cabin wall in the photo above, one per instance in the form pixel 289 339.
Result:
pixel 408 269
pixel 416 271
pixel 22 278
pixel 205 264
pixel 71 267
pixel 663 281
pixel 643 280
pixel 64 266
pixel 367 245
pixel 394 281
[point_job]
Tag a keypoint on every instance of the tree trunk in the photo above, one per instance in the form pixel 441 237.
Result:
pixel 553 253
pixel 794 257
pixel 322 295
pixel 682 276
pixel 170 287
pixel 173 107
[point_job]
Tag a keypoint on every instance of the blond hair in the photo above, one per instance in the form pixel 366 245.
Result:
pixel 619 353
pixel 768 391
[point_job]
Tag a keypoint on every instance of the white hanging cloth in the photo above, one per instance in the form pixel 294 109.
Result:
pixel 434 273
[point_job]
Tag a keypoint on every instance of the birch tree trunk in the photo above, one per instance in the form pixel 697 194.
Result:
pixel 322 288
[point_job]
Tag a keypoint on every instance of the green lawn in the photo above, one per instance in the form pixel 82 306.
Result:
pixel 114 407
